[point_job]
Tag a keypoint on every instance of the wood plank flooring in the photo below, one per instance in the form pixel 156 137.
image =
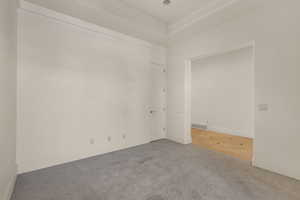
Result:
pixel 239 147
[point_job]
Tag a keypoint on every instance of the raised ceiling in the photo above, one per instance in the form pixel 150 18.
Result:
pixel 177 10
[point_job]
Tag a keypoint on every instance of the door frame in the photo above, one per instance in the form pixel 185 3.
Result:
pixel 188 86
pixel 158 110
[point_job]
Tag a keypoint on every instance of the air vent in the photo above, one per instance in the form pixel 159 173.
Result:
pixel 166 2
pixel 199 126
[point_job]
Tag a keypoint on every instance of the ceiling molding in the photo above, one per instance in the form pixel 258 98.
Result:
pixel 198 15
pixel 63 18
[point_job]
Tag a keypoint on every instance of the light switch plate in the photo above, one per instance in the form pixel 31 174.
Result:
pixel 263 107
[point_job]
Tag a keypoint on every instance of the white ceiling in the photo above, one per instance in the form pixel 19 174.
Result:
pixel 177 10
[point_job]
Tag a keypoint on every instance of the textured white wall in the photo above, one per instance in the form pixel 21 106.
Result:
pixel 8 66
pixel 274 26
pixel 223 92
pixel 77 88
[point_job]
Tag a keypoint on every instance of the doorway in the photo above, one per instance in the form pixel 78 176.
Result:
pixel 220 102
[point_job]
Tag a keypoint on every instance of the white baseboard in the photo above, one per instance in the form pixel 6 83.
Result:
pixel 176 140
pixel 241 133
pixel 22 170
pixel 11 185
pixel 272 168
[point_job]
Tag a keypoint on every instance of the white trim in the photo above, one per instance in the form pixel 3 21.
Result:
pixel 32 8
pixel 197 16
pixel 11 188
pixel 11 185
pixel 177 140
pixel 253 45
pixel 187 102
pixel 223 51
pixel 230 131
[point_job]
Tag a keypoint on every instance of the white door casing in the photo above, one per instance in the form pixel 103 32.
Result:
pixel 157 109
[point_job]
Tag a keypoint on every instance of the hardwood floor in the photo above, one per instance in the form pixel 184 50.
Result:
pixel 239 147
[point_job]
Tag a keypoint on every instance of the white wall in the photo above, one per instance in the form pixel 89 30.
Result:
pixel 274 26
pixel 112 14
pixel 223 92
pixel 8 66
pixel 78 87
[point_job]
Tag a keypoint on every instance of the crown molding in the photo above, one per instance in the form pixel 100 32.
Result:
pixel 199 15
pixel 63 18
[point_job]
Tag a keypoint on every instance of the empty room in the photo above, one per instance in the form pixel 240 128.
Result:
pixel 149 100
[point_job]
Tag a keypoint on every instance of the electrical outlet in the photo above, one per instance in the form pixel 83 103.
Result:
pixel 108 138
pixel 92 141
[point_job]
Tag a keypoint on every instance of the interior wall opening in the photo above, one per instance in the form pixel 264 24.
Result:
pixel 222 102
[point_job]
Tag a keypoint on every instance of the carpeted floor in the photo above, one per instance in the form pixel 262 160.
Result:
pixel 157 171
